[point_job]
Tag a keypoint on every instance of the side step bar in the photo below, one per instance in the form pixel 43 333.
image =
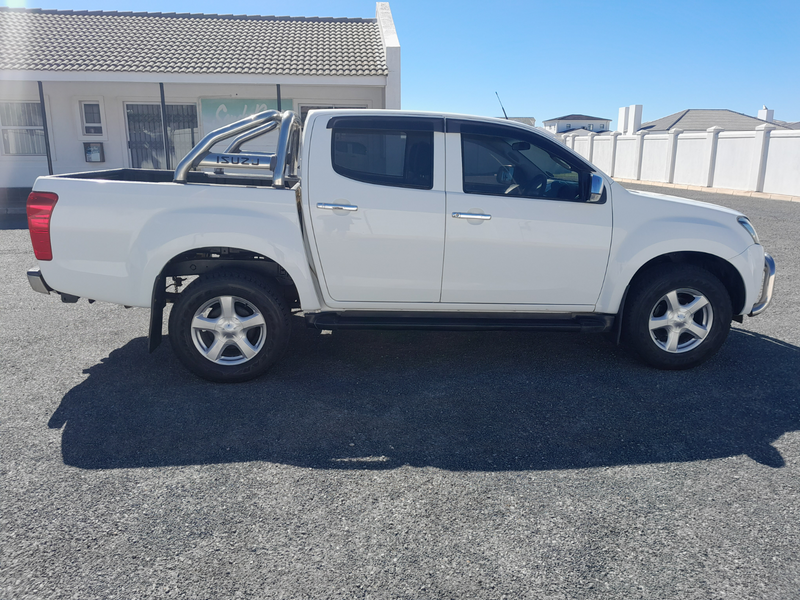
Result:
pixel 583 322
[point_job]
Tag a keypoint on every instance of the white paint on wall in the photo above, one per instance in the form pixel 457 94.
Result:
pixel 655 148
pixel 782 173
pixel 391 48
pixel 602 153
pixel 626 157
pixel 735 159
pixel 689 165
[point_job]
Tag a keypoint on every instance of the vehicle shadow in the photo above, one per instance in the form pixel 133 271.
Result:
pixel 452 400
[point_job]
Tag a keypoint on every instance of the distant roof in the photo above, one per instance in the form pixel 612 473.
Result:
pixel 700 119
pixel 576 118
pixel 524 120
pixel 795 125
pixel 65 40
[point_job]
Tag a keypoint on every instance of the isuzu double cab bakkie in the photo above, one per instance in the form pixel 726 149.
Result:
pixel 390 219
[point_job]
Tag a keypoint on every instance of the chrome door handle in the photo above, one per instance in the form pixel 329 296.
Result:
pixel 350 207
pixel 457 215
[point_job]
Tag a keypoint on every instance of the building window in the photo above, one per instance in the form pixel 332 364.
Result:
pixel 602 126
pixel 146 133
pixel 91 119
pixel 590 127
pixel 305 108
pixel 568 127
pixel 22 130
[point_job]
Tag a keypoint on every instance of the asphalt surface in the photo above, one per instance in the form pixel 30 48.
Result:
pixel 398 464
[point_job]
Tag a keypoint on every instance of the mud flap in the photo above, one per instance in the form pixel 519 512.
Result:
pixel 157 304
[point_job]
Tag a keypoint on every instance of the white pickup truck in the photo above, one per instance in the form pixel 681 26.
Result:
pixel 389 219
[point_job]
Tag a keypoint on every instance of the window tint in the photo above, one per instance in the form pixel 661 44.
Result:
pixel 503 165
pixel 384 157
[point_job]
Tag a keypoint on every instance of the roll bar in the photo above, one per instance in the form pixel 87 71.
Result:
pixel 243 131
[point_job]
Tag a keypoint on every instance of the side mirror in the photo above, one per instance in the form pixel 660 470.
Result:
pixel 597 192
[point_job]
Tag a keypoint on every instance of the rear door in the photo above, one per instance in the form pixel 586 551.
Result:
pixel 377 204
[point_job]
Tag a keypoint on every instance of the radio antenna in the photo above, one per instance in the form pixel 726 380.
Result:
pixel 501 105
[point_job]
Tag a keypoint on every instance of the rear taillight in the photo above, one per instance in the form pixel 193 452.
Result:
pixel 40 209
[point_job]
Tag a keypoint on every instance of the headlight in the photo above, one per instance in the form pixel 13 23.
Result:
pixel 745 222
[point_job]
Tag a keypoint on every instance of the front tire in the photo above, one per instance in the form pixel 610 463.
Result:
pixel 679 317
pixel 229 326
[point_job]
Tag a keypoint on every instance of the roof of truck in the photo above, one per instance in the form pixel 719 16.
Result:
pixel 110 41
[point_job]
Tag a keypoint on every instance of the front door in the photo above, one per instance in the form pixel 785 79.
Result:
pixel 519 230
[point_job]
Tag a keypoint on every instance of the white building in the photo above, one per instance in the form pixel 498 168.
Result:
pixel 107 79
pixel 577 122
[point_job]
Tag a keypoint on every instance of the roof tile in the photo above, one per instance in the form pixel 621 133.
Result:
pixel 36 39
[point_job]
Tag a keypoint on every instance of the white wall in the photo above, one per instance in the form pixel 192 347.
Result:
pixel 765 160
pixel 689 159
pixel 655 147
pixel 782 172
pixel 64 126
pixel 603 152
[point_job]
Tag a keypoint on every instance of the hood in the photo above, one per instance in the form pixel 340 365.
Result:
pixel 686 202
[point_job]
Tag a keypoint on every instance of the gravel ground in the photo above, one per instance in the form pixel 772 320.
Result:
pixel 398 464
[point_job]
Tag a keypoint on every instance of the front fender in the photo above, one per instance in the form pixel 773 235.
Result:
pixel 636 244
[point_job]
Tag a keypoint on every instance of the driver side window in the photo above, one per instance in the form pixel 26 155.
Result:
pixel 508 165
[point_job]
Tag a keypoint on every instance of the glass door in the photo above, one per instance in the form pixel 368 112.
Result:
pixel 146 133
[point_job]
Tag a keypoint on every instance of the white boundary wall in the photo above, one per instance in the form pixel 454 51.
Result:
pixel 764 160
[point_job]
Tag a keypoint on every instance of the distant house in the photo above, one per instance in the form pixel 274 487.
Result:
pixel 701 119
pixel 123 89
pixel 577 124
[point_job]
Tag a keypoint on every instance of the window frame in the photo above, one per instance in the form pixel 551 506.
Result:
pixel 4 127
pixel 81 125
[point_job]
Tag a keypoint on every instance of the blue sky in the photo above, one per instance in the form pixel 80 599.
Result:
pixel 548 59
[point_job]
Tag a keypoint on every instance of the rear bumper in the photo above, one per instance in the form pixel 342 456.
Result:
pixel 767 286
pixel 37 282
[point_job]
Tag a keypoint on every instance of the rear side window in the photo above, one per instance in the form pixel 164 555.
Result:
pixel 384 156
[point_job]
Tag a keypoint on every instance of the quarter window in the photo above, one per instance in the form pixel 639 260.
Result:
pixel 22 130
pixel 384 157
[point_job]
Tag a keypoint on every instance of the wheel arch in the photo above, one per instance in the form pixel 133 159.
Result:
pixel 204 260
pixel 723 270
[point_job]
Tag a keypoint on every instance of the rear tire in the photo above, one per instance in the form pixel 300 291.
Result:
pixel 229 326
pixel 679 317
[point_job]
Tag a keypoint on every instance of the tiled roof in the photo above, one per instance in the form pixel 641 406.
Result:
pixel 55 40
pixel 700 119
pixel 577 118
